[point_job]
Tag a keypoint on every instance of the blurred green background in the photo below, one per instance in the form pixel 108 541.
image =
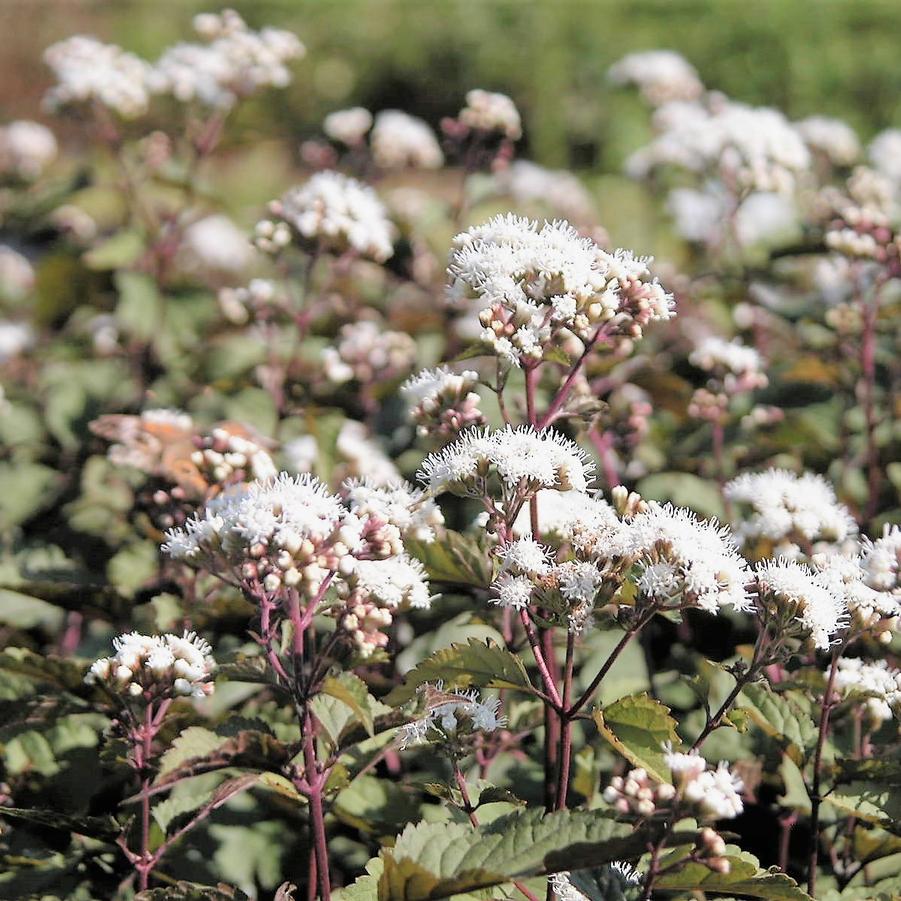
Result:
pixel 838 58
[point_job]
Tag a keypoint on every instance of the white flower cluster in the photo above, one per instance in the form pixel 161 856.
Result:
pixel 367 354
pixel 884 152
pixel 214 245
pixel 282 533
pixel 487 111
pixel 833 139
pixel 536 280
pixel 697 791
pixel 443 403
pixel 682 556
pixel 234 63
pixel 238 305
pixel 881 561
pixel 26 149
pixel 870 610
pixel 623 874
pixel 399 140
pixel 522 459
pixel 332 212
pixel 662 76
pixel 804 603
pixel 713 353
pixel 225 456
pixel 398 503
pixel 89 71
pixel 748 148
pixel 452 716
pixel 877 679
pixel 864 213
pixel 527 182
pixel 348 126
pixel 582 520
pixel 795 514
pixel 152 667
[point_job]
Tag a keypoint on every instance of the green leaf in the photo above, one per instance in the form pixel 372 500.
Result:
pixel 637 727
pixel 366 887
pixel 796 796
pixel 192 891
pixel 352 691
pixel 95 827
pixel 140 308
pixel 454 558
pixel 65 674
pixel 25 490
pixel 439 860
pixel 745 879
pixel 375 805
pixel 874 803
pixel 246 668
pixel 122 249
pixel 475 664
pixel 777 716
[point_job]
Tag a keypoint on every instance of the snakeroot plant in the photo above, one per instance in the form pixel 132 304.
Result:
pixel 397 538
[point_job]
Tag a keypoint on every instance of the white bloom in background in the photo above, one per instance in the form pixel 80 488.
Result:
pixel 876 678
pixel 766 218
pixel 398 503
pixel 87 70
pixel 788 587
pixel 535 280
pixel 15 339
pixel 348 126
pixel 522 459
pixel 527 182
pixel 451 715
pixel 338 213
pixel 698 215
pixel 215 244
pixel 156 666
pixel 26 149
pixel 661 75
pixel 712 353
pixel 362 455
pixel 884 152
pixel 236 62
pixel 833 138
pixel 881 561
pixel 366 353
pixel 683 556
pixel 17 277
pixel 240 304
pixel 790 511
pixel 489 111
pixel 399 140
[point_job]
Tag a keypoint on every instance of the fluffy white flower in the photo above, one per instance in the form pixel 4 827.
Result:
pixel 707 569
pixel 15 338
pixel 26 149
pixel 881 561
pixel 713 352
pixel 398 503
pixel 451 715
pixel 524 556
pixel 884 152
pixel 521 458
pixel 337 213
pixel 87 70
pixel 399 140
pixel 834 139
pixel 787 509
pixel 156 666
pixel 236 62
pixel 17 277
pixel 788 586
pixel 393 582
pixel 870 609
pixel 216 245
pixel 349 126
pixel 876 678
pixel 513 591
pixel 489 111
pixel 661 75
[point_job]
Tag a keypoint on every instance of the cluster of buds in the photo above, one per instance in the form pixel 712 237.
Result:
pixel 366 354
pixel 484 132
pixel 694 790
pixel 271 236
pixel 861 218
pixel 370 594
pixel 154 667
pixel 733 368
pixel 443 403
pixel 452 718
pixel 709 406
pixel 231 454
pixel 259 299
pixel 627 416
pixel 282 534
pixel 710 849
pixel 398 503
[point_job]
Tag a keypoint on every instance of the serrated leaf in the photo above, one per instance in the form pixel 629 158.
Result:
pixel 67 674
pixel 246 668
pixel 637 727
pixel 475 664
pixel 352 691
pixel 776 715
pixel 439 860
pixel 192 891
pixel 868 801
